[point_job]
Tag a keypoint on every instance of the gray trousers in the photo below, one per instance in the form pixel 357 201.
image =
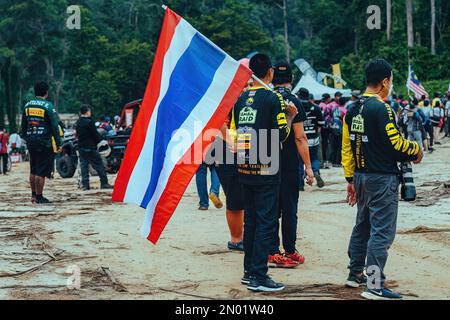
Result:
pixel 376 224
pixel 93 158
pixel 416 136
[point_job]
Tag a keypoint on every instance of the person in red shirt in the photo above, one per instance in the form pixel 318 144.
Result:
pixel 4 141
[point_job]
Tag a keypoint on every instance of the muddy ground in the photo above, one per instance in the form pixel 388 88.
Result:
pixel 41 245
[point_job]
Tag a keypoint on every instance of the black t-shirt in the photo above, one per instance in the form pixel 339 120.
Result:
pixel 88 136
pixel 255 114
pixel 290 158
pixel 314 121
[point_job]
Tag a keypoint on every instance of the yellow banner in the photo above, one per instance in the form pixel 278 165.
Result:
pixel 337 73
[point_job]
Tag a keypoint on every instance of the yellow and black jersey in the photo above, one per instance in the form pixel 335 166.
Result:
pixel 40 125
pixel 371 141
pixel 255 114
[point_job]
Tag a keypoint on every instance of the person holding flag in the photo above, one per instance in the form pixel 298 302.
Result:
pixel 259 118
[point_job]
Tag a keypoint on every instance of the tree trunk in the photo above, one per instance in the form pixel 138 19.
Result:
pixel 2 94
pixel 409 23
pixel 433 27
pixel 388 19
pixel 286 33
pixel 10 85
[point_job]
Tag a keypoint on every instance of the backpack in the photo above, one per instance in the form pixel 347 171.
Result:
pixel 338 123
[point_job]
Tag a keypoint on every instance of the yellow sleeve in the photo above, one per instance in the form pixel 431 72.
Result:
pixel 232 130
pixel 279 118
pixel 404 150
pixel 348 162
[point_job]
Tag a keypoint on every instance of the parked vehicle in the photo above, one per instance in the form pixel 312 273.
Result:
pixel 119 141
pixel 67 160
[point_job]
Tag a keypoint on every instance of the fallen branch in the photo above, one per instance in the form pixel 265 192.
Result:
pixel 4 275
pixel 116 284
pixel 185 294
pixel 424 229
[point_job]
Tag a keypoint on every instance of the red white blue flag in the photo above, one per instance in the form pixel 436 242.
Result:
pixel 415 85
pixel 192 87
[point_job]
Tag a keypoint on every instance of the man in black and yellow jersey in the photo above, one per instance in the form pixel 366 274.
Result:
pixel 259 118
pixel 40 129
pixel 372 147
pixel 294 151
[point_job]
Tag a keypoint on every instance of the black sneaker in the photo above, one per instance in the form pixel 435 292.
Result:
pixel 246 278
pixel 355 280
pixel 319 180
pixel 236 246
pixel 266 285
pixel 106 186
pixel 43 200
pixel 380 294
pixel 86 188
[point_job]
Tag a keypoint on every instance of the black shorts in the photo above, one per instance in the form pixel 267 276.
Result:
pixel 229 180
pixel 42 162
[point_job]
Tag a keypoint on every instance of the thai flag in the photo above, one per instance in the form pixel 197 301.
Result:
pixel 192 87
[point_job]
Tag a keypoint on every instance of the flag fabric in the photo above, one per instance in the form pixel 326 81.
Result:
pixel 415 86
pixel 192 87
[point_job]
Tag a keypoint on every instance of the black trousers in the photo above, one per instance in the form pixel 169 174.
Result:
pixel 289 194
pixel 260 224
pixel 430 130
pixel 4 160
pixel 336 148
pixel 93 158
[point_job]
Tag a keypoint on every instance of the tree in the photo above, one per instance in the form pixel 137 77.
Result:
pixel 433 26
pixel 409 21
pixel 388 19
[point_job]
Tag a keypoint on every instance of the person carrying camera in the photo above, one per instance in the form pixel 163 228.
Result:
pixel 371 149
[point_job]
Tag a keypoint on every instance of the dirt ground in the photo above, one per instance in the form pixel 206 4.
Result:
pixel 84 231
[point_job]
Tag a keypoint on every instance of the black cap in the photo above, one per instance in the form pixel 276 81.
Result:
pixel 338 94
pixel 303 94
pixel 282 73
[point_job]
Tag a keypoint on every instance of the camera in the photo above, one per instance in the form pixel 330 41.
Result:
pixel 408 190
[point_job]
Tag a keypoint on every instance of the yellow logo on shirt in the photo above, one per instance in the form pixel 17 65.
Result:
pixel 358 124
pixel 35 112
pixel 247 116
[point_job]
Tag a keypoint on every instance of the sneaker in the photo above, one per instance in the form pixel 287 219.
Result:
pixel 203 208
pixel 279 261
pixel 236 246
pixel 266 285
pixel 380 294
pixel 215 200
pixel 86 188
pixel 319 180
pixel 296 257
pixel 106 186
pixel 43 200
pixel 301 189
pixel 356 280
pixel 246 278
